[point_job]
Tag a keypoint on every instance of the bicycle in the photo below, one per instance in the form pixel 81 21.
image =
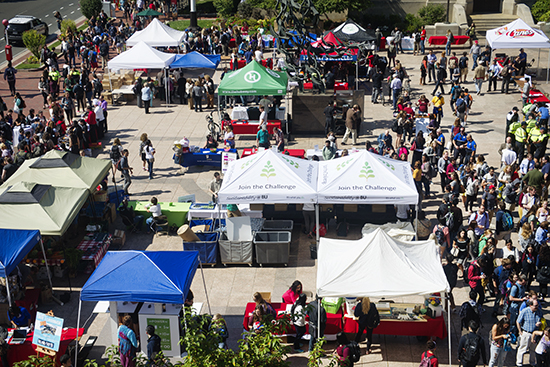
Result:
pixel 213 127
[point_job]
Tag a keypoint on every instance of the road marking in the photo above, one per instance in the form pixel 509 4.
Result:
pixel 1 52
pixel 78 8
pixel 71 4
pixel 64 16
pixel 72 12
pixel 1 39
pixel 49 25
pixel 47 15
pixel 61 8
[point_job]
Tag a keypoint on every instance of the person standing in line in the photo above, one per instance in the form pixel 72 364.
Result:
pixel 153 343
pixel 127 342
pixel 471 347
pixel 150 157
pixel 124 167
pixel 528 321
pixel 146 96
pixel 197 96
pixel 368 318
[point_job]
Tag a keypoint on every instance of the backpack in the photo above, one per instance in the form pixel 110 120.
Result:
pixel 449 219
pixel 354 351
pixel 507 221
pixel 470 352
pixel 417 38
pixel 427 361
pixel 452 38
pixel 10 75
pixel 462 62
pixel 98 88
pixel 115 153
pixel 461 108
pixel 374 320
pixel 210 88
pixel 456 92
pixel 471 314
pixel 23 104
pixel 440 235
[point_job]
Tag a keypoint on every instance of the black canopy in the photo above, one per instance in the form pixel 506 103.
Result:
pixel 349 31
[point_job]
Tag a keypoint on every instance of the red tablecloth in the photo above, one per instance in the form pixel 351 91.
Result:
pixel 337 86
pixel 433 327
pixel 240 64
pixel 30 302
pixel 536 96
pixel 297 153
pixel 21 352
pixel 232 43
pixel 442 40
pixel 240 128
pixel 334 321
pixel 94 250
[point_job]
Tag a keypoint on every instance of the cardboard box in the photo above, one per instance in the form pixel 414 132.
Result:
pixel 281 207
pixel 119 238
pixel 256 206
pixel 350 208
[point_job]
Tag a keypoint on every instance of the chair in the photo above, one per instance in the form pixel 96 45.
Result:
pixel 159 225
pixel 130 226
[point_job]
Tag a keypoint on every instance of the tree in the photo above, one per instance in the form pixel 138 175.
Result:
pixel 539 9
pixel 351 6
pixel 90 8
pixel 431 14
pixel 225 8
pixel 34 41
pixel 66 25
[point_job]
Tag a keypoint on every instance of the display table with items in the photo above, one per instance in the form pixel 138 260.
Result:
pixel 442 40
pixel 205 210
pixel 251 127
pixel 319 152
pixel 536 96
pixel 333 327
pixel 93 247
pixel 203 157
pixel 296 153
pixel 21 351
pixel 403 319
pixel 176 213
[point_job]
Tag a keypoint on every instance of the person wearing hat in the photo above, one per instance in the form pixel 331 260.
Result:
pixel 480 76
pixel 521 137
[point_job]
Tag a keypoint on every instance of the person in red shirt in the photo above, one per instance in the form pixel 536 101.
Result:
pixel 428 358
pixel 422 39
pixel 292 294
pixel 90 120
pixel 343 351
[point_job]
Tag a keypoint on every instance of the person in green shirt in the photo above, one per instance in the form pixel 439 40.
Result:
pixel 233 211
pixel 262 138
pixel 535 178
pixel 328 151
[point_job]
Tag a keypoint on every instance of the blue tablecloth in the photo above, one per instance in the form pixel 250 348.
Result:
pixel 203 158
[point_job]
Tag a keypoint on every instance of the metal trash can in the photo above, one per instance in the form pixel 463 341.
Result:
pixel 235 252
pixel 272 247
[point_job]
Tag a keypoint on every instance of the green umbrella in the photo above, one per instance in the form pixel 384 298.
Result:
pixel 149 13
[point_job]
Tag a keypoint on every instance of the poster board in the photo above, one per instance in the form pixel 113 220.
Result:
pixel 227 157
pixel 47 332
pixel 167 326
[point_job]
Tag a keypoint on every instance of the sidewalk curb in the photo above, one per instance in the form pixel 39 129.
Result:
pixel 20 58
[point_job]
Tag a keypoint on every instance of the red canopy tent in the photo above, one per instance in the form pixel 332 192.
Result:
pixel 328 41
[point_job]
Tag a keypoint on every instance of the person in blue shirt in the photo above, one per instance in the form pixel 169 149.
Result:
pixel 471 147
pixel 242 48
pixel 19 317
pixel 248 56
pixel 440 143
pixel 459 143
pixel 543 114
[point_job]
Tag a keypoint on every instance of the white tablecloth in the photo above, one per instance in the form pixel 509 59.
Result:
pixel 280 113
pixel 239 113
pixel 406 42
pixel 213 213
pixel 311 152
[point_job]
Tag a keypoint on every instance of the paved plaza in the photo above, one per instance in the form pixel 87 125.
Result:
pixel 230 288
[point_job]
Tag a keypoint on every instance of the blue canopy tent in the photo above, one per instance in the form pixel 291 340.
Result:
pixel 196 60
pixel 15 244
pixel 141 276
pixel 295 40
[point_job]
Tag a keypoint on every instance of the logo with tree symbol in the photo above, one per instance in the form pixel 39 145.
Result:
pixel 366 171
pixel 291 161
pixel 268 171
pixel 389 165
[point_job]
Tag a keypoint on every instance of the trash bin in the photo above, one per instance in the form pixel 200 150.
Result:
pixel 207 247
pixel 278 225
pixel 272 247
pixel 236 243
pixel 313 251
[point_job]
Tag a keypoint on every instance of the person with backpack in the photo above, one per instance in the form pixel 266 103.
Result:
pixel 442 238
pixel 368 318
pixel 428 358
pixel 348 352
pixel 500 276
pixel 528 321
pixel 500 337
pixel 470 310
pixel 516 295
pixel 9 76
pixel 417 39
pixel 209 84
pixel 297 313
pixel 475 275
pixel 504 223
pixel 115 154
pixel 471 347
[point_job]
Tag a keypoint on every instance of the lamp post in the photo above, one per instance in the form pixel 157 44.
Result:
pixel 193 14
pixel 448 8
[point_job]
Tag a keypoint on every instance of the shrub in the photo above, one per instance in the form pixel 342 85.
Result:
pixel 431 14
pixel 66 25
pixel 34 41
pixel 244 9
pixel 224 8
pixel 90 8
pixel 32 60
pixel 539 9
pixel 545 17
pixel 412 23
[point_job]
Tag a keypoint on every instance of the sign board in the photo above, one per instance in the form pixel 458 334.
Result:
pixel 162 329
pixel 227 157
pixel 47 331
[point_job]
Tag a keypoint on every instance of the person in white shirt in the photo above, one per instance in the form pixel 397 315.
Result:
pixel 154 209
pixel 100 117
pixel 149 157
pixel 396 89
pixel 526 165
pixel 258 55
pixel 263 117
pixel 509 156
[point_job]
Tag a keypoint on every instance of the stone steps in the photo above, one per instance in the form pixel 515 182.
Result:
pixel 484 22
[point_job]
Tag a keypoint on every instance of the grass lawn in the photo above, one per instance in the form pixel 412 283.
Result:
pixel 27 66
pixel 180 25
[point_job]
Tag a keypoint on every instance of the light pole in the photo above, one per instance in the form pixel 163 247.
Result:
pixel 193 14
pixel 448 8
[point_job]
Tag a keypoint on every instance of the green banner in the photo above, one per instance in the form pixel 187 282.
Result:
pixel 162 329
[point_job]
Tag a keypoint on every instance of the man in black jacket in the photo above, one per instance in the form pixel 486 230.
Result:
pixel 153 343
pixel 377 86
pixel 471 347
pixel 311 311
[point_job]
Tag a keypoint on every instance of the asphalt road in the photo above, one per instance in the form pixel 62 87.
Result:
pixel 42 9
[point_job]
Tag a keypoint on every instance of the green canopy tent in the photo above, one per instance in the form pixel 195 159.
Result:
pixel 253 80
pixel 47 208
pixel 62 169
pixel 149 13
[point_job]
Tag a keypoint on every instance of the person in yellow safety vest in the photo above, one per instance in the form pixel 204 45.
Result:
pixel 512 130
pixel 531 123
pixel 54 86
pixel 539 139
pixel 521 137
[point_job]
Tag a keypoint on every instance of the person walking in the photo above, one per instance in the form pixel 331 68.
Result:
pixel 480 76
pixel 368 318
pixel 475 50
pixel 471 347
pixel 127 342
pixel 352 116
pixel 528 321
pixel 428 358
pixel 146 96
pixel 124 167
pixel 440 81
pixel 9 76
pixel 395 87
pixel 150 157
pixel 500 335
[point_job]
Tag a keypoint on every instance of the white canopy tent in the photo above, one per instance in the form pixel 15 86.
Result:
pixel 141 56
pixel 518 34
pixel 270 177
pixel 157 34
pixel 366 268
pixel 366 178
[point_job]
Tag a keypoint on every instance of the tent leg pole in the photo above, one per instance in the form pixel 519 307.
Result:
pixel 204 284
pixel 357 72
pixel 318 331
pixel 416 224
pixel 8 290
pixel 317 236
pixel 77 327
pixel 449 326
pixel 116 189
pixel 48 271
